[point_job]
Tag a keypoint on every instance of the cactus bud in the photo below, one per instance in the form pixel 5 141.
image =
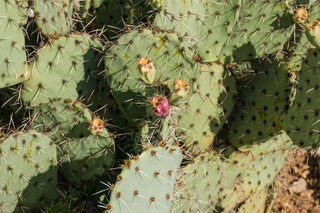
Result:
pixel 301 15
pixel 179 90
pixel 146 69
pixel 160 105
pixel 96 126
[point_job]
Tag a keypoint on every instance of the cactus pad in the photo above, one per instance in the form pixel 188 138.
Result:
pixel 66 69
pixel 154 173
pixel 13 61
pixel 28 172
pixel 228 31
pixel 170 59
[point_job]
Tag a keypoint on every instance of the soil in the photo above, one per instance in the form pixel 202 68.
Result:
pixel 298 184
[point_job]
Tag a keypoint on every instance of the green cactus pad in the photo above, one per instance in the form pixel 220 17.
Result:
pixel 66 68
pixel 52 17
pixel 197 186
pixel 255 203
pixel 242 71
pixel 28 172
pixel 301 121
pixel 261 103
pixel 278 141
pixel 83 7
pixel 84 152
pixel 229 31
pixel 262 171
pixel 13 59
pixel 171 59
pixel 83 159
pixel 146 182
pixel 114 15
pixel 211 183
pixel 256 173
pixel 208 107
pixel 61 118
pixel 202 184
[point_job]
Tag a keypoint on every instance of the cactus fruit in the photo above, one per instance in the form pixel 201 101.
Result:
pixel 96 126
pixel 154 173
pixel 160 105
pixel 179 91
pixel 147 69
pixel 28 172
pixel 307 18
pixel 301 15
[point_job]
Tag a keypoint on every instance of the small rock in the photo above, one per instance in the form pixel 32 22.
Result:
pixel 298 186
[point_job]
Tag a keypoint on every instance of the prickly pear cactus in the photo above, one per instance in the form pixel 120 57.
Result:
pixel 117 14
pixel 256 202
pixel 60 118
pixel 233 81
pixel 85 158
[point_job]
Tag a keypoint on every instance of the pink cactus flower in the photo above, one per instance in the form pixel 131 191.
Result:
pixel 160 105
